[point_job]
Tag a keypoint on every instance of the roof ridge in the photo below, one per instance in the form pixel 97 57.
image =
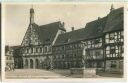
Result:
pixel 49 23
pixel 73 31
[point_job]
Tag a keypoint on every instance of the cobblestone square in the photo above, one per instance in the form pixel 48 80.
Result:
pixel 46 74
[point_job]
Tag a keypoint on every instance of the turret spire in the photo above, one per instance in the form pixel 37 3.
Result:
pixel 31 15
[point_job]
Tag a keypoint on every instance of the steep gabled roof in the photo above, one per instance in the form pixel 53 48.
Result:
pixel 44 33
pixel 70 37
pixel 48 32
pixel 92 30
pixel 114 20
pixel 95 28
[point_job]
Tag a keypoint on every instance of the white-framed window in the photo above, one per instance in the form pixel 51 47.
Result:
pixel 112 50
pixel 111 38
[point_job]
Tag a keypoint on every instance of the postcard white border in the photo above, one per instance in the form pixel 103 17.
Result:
pixel 70 80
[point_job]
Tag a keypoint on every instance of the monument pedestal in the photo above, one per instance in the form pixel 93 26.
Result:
pixel 83 72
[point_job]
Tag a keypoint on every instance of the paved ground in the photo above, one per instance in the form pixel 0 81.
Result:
pixel 32 73
pixel 38 73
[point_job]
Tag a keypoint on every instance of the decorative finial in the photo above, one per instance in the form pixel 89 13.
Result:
pixel 31 15
pixel 31 9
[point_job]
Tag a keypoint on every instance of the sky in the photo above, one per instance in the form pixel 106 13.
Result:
pixel 16 16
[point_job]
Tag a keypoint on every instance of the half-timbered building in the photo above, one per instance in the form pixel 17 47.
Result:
pixel 80 48
pixel 98 45
pixel 114 41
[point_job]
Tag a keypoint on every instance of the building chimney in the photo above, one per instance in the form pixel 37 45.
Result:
pixel 63 24
pixel 112 8
pixel 72 28
pixel 98 18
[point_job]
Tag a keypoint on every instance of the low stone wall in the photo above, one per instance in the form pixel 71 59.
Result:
pixel 87 72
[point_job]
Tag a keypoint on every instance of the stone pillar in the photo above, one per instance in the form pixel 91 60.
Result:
pixel 24 64
pixel 34 64
pixel 28 63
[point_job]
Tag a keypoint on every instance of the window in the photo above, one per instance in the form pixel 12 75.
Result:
pixel 111 36
pixel 122 35
pixel 107 36
pixel 122 49
pixel 98 54
pixel 27 50
pixel 36 50
pixel 45 49
pixel 113 64
pixel 54 57
pixel 32 50
pixel 112 50
pixel 62 47
pixel 96 41
pixel 7 58
pixel 62 56
pixel 75 55
pixel 94 57
pixel 40 49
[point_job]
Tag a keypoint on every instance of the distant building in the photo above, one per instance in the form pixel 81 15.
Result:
pixel 18 59
pixel 9 59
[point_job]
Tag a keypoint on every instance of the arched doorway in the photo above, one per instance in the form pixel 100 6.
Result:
pixel 31 63
pixel 26 63
pixel 37 63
